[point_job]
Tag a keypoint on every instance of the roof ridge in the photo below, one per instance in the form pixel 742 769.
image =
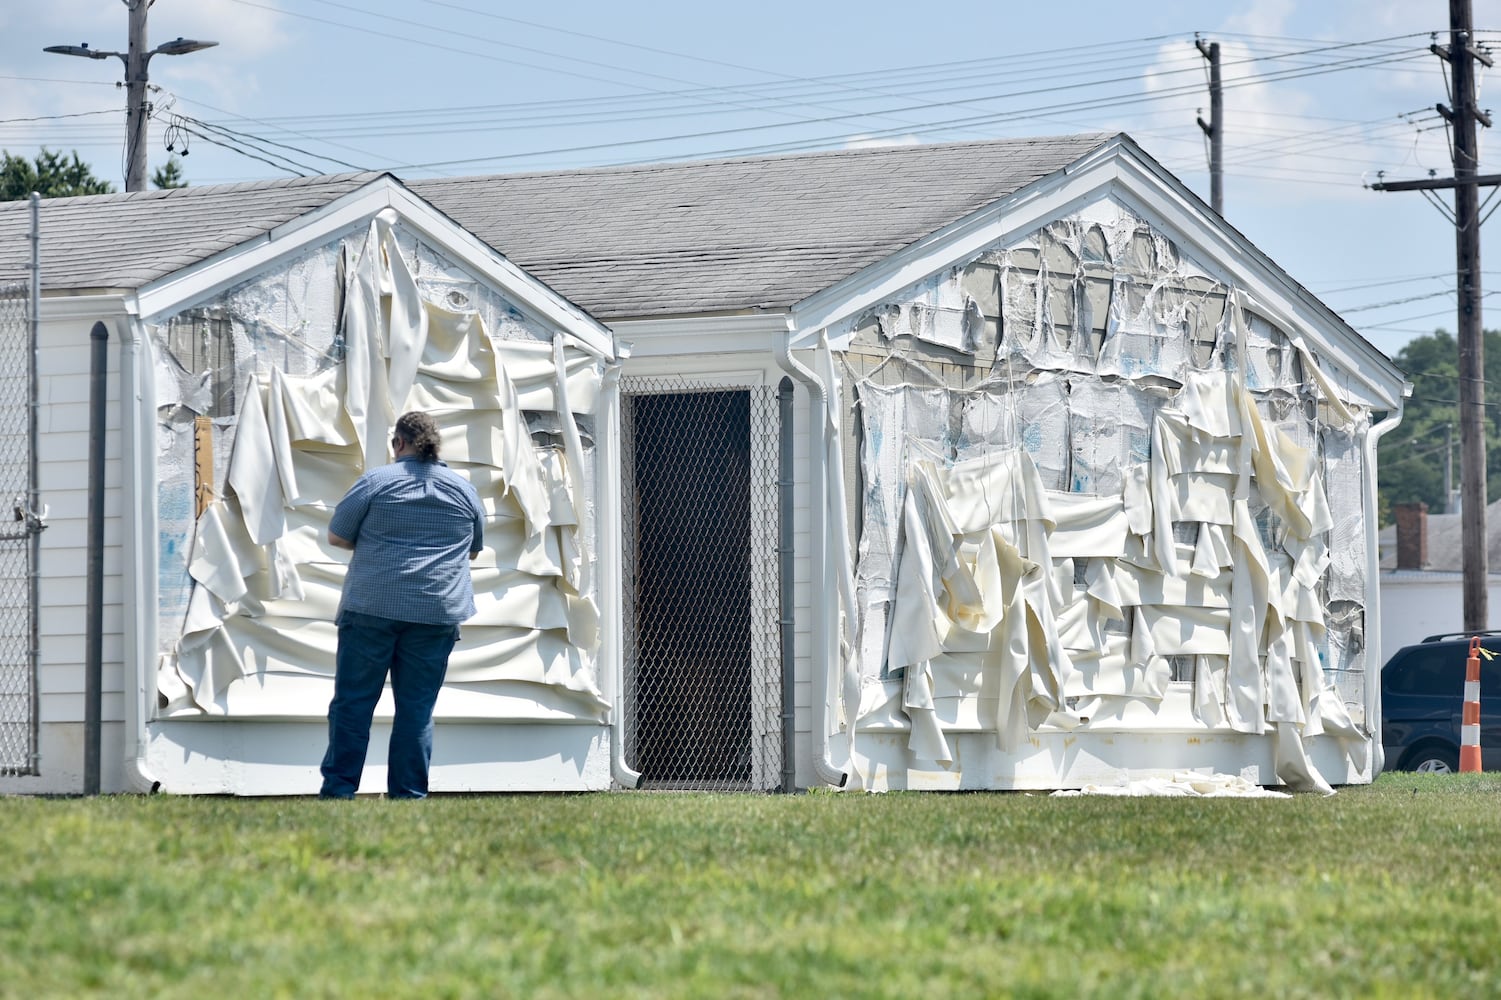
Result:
pixel 209 190
pixel 848 151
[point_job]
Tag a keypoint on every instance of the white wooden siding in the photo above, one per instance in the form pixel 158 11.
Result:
pixel 63 487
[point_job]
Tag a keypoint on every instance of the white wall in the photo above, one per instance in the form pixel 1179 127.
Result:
pixel 1415 605
pixel 63 483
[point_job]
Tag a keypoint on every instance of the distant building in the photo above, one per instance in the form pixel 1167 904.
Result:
pixel 1422 575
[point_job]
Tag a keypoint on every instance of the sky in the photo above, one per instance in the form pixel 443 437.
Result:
pixel 1321 99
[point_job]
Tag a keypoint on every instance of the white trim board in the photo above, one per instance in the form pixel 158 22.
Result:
pixel 228 757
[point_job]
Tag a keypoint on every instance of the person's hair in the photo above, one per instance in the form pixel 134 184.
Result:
pixel 421 432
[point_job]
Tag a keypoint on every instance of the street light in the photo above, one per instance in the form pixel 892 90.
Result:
pixel 137 111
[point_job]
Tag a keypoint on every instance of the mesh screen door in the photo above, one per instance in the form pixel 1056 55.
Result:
pixel 702 685
pixel 18 692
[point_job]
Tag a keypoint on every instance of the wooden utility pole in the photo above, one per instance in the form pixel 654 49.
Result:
pixel 1215 127
pixel 137 106
pixel 136 57
pixel 1463 116
pixel 1471 339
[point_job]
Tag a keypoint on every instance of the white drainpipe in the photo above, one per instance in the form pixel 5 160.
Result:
pixel 823 586
pixel 139 524
pixel 1373 648
pixel 611 593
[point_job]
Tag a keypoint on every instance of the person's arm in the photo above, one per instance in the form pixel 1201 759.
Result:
pixel 477 532
pixel 349 514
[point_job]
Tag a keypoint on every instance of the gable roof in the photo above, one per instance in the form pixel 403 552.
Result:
pixel 756 233
pixel 735 235
pixel 124 241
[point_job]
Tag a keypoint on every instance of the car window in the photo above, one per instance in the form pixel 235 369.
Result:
pixel 1439 670
pixel 1490 678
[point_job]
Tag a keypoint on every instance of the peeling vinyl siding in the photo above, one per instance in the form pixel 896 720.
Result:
pixel 1080 348
pixel 247 632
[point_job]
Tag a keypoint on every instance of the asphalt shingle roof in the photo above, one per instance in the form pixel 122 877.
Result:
pixel 124 241
pixel 751 233
pixel 655 240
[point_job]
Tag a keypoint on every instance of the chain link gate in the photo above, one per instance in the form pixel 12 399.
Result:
pixel 702 672
pixel 18 529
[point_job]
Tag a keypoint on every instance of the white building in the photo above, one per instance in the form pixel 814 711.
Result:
pixel 1422 575
pixel 987 465
pixel 253 345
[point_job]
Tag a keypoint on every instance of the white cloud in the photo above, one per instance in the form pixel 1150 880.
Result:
pixel 1291 118
pixel 1262 17
pixel 244 33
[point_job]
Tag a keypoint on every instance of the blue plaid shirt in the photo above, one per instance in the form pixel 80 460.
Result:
pixel 414 525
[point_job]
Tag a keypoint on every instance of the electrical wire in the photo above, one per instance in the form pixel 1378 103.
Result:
pixel 1397 302
pixel 986 119
pixel 48 118
pixel 1052 70
pixel 1388 282
pixel 215 140
pixel 249 139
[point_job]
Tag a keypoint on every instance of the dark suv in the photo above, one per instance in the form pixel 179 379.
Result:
pixel 1422 698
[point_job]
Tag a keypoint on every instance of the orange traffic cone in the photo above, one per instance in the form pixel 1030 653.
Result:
pixel 1469 729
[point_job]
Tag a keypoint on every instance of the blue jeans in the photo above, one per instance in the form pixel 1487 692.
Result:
pixel 416 658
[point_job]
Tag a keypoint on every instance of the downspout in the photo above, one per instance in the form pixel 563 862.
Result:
pixel 93 670
pixel 611 592
pixel 823 586
pixel 1373 437
pixel 138 547
pixel 787 588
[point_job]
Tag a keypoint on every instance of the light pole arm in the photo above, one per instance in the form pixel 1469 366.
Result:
pixel 137 108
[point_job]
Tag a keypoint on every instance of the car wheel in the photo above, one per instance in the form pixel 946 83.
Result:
pixel 1433 759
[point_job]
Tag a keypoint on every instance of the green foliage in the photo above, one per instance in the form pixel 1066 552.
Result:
pixel 169 174
pixel 52 175
pixel 1410 462
pixel 1384 891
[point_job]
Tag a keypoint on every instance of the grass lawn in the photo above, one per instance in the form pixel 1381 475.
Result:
pixel 1390 890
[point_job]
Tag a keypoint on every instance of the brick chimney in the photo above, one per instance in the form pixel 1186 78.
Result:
pixel 1412 535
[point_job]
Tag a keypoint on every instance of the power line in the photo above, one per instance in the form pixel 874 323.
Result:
pixel 49 118
pixel 1386 282
pixel 986 119
pixel 1397 302
pixel 216 140
pixel 1052 70
pixel 253 141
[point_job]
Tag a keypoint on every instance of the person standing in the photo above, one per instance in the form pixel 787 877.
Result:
pixel 413 526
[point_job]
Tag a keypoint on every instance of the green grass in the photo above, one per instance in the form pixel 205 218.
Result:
pixel 1391 890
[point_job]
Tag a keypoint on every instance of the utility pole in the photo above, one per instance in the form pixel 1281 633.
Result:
pixel 137 108
pixel 1463 116
pixel 1215 127
pixel 137 105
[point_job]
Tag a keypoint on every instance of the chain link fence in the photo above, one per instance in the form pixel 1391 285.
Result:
pixel 18 694
pixel 702 684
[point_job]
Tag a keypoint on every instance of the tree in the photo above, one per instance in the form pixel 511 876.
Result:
pixel 1410 460
pixel 52 176
pixel 169 174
